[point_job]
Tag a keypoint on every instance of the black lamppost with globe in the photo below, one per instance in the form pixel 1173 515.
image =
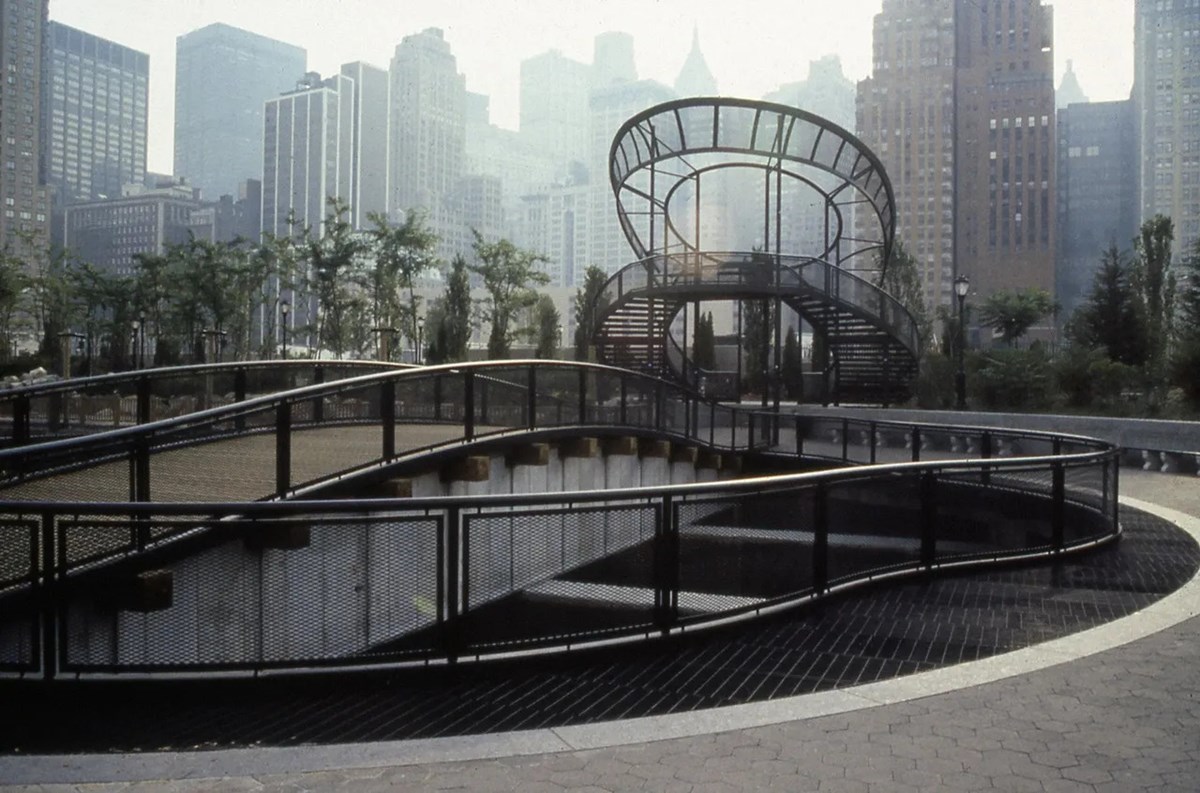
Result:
pixel 284 307
pixel 961 286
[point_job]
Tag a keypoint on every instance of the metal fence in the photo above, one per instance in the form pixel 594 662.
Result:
pixel 133 586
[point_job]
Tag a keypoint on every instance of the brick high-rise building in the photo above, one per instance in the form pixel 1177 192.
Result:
pixel 25 211
pixel 1166 97
pixel 960 109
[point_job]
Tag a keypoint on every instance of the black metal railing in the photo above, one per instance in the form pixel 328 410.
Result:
pixel 80 406
pixel 106 588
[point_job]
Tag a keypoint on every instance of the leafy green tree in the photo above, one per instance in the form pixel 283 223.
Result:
pixel 282 257
pixel 1112 318
pixel 13 283
pixel 509 275
pixel 1154 283
pixel 403 253
pixel 456 322
pixel 793 380
pixel 336 279
pixel 1185 360
pixel 758 323
pixel 546 322
pixel 591 300
pixel 1014 312
pixel 902 280
pixel 704 343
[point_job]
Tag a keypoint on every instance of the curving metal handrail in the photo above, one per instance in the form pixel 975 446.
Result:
pixel 670 281
pixel 83 405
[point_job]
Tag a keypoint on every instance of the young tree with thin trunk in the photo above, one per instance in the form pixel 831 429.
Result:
pixel 509 275
pixel 590 302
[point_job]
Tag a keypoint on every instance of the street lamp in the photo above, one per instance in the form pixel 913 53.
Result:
pixel 137 334
pixel 961 285
pixel 140 327
pixel 284 307
pixel 418 356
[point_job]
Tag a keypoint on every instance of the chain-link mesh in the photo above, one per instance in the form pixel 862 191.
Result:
pixel 18 552
pixel 18 640
pixel 874 525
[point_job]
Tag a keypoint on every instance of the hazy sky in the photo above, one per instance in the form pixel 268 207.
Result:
pixel 750 52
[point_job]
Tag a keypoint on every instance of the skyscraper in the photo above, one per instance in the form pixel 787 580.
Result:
pixel 695 78
pixel 1069 91
pixel 93 117
pixel 1097 192
pixel 554 105
pixel 1166 97
pixel 223 75
pixel 22 187
pixel 960 109
pixel 427 134
pixel 327 139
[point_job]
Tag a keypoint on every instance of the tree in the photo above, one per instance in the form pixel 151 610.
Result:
pixel 13 283
pixel 1014 312
pixel 403 253
pixel 1154 283
pixel 336 279
pixel 282 256
pixel 547 324
pixel 456 319
pixel 902 280
pixel 704 343
pixel 508 274
pixel 758 322
pixel 1185 359
pixel 1112 318
pixel 591 300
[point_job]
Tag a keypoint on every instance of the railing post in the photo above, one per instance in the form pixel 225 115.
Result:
pixel 624 407
pixel 143 400
pixel 387 417
pixel 318 402
pixel 845 440
pixel 659 404
pixel 666 565
pixel 1058 512
pixel 1115 461
pixel 469 404
pixel 871 427
pixel 437 397
pixel 21 420
pixel 455 577
pixel 928 519
pixel 820 538
pixel 49 602
pixel 531 396
pixel 916 444
pixel 139 470
pixel 985 449
pixel 583 395
pixel 283 448
pixel 239 395
pixel 799 436
pixel 750 432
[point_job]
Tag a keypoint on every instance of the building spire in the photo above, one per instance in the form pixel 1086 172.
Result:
pixel 694 78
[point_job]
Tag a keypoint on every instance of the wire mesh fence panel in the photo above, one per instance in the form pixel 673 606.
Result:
pixel 557 402
pixel 321 452
pixel 893 443
pixel 502 397
pixel 947 444
pixel 874 525
pixel 823 437
pixel 18 552
pixel 417 401
pixel 738 553
pixel 859 440
pixel 85 541
pixel 87 473
pixel 1086 496
pixel 1003 512
pixel 1019 445
pixel 535 575
pixel 18 640
pixel 402 558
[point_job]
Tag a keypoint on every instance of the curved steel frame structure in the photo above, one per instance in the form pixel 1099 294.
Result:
pixel 652 155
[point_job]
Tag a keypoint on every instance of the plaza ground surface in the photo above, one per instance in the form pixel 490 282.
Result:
pixel 979 682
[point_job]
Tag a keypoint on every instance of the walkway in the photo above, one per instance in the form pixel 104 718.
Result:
pixel 1067 715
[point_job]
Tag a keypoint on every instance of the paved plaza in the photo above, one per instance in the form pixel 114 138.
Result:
pixel 1116 707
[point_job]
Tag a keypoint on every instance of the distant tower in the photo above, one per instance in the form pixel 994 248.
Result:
pixel 612 60
pixel 694 78
pixel 223 75
pixel 554 105
pixel 1069 90
pixel 1166 74
pixel 26 207
pixel 428 146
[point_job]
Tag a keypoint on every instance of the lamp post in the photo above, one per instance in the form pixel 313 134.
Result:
pixel 137 334
pixel 961 285
pixel 140 326
pixel 419 355
pixel 284 307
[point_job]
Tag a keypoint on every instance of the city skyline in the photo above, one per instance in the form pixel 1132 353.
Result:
pixel 1097 35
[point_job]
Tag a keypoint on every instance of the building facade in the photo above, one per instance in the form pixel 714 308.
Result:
pixel 109 232
pixel 428 128
pixel 223 75
pixel 960 109
pixel 1166 98
pixel 1097 193
pixel 24 217
pixel 94 115
pixel 554 106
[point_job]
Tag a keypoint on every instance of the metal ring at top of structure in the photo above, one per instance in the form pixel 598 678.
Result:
pixel 653 153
